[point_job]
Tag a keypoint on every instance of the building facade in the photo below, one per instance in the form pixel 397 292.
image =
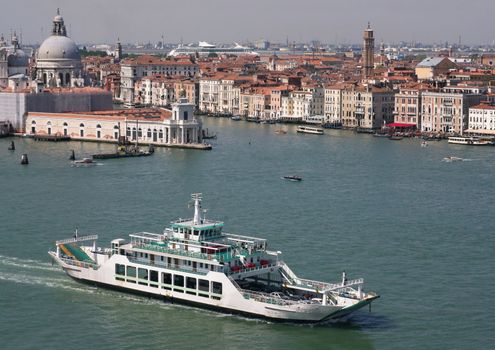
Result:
pixel 444 112
pixel 159 127
pixel 132 70
pixel 482 119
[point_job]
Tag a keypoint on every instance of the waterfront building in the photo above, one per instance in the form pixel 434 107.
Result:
pixel 367 107
pixel 447 112
pixel 433 67
pixel 333 103
pixel 219 94
pixel 134 69
pixel 408 104
pixel 303 104
pixel 16 101
pixel 158 126
pixel 482 119
pixel 368 53
pixel 58 60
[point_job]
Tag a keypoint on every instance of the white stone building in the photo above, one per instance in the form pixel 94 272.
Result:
pixel 132 70
pixel 157 126
pixel 482 120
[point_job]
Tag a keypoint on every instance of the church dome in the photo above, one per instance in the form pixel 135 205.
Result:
pixel 17 58
pixel 58 48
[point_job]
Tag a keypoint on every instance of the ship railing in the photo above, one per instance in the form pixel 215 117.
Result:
pixel 269 298
pixel 77 239
pixel 323 287
pixel 159 264
pixel 83 264
pixel 252 269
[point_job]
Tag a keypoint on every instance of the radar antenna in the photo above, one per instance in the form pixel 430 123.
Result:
pixel 197 207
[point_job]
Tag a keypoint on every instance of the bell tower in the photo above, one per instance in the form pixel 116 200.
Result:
pixel 368 52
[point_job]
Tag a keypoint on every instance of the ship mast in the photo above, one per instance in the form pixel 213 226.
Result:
pixel 197 208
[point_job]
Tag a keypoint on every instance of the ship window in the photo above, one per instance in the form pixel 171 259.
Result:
pixel 178 281
pixel 166 278
pixel 154 278
pixel 143 274
pixel 204 285
pixel 120 269
pixel 191 282
pixel 216 287
pixel 131 271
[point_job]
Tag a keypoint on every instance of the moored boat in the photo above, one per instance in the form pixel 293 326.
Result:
pixel 194 262
pixel 83 162
pixel 471 141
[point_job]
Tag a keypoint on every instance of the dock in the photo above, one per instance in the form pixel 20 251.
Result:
pixel 51 138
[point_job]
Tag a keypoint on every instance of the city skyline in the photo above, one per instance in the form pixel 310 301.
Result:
pixel 230 21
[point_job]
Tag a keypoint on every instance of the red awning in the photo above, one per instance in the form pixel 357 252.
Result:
pixel 401 125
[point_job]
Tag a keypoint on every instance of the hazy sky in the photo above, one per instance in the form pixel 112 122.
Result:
pixel 329 21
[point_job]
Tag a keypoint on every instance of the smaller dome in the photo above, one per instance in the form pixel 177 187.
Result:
pixel 17 58
pixel 58 18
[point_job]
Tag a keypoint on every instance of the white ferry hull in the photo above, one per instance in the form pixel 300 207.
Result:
pixel 232 300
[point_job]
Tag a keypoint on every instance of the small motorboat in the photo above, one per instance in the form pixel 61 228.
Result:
pixel 292 178
pixel 452 159
pixel 395 137
pixel 236 117
pixel 424 143
pixel 84 162
pixel 280 132
pixel 378 134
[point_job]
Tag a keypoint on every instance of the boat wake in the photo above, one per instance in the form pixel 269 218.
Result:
pixel 27 264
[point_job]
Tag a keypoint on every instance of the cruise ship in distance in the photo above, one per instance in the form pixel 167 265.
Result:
pixel 194 262
pixel 204 49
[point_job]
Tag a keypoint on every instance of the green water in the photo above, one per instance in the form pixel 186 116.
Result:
pixel 419 230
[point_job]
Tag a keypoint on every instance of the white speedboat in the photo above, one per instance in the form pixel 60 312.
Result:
pixel 194 262
pixel 309 130
pixel 452 159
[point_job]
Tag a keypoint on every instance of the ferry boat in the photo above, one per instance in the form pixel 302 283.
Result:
pixel 309 130
pixel 472 141
pixel 194 262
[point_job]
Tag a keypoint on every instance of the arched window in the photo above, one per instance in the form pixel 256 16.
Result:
pixel 33 122
pixel 140 132
pixel 65 124
pixel 49 123
pixel 98 131
pixel 67 79
pixel 128 132
pixel 185 115
pixel 149 133
pixel 98 126
pixel 61 77
pixel 81 125
pixel 160 134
